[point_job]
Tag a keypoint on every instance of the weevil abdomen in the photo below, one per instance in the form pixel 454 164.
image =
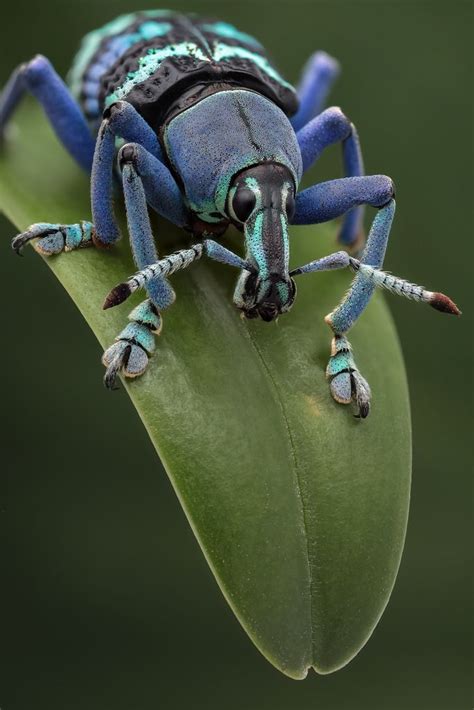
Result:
pixel 152 58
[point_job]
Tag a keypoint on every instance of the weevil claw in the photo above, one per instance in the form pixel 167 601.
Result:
pixel 19 242
pixel 346 383
pixel 115 358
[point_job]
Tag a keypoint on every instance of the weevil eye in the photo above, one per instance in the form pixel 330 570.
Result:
pixel 243 204
pixel 290 206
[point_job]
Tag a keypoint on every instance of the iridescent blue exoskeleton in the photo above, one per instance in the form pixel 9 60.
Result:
pixel 210 134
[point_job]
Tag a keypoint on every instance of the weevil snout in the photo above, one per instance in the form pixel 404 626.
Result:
pixel 261 200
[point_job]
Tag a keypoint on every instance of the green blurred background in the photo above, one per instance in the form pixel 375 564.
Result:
pixel 106 600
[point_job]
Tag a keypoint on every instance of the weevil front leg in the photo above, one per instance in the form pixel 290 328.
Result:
pixel 121 121
pixel 346 382
pixel 40 79
pixel 145 181
pixel 129 354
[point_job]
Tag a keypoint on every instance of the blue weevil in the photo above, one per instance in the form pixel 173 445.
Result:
pixel 211 135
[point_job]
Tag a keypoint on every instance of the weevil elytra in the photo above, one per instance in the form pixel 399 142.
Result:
pixel 211 135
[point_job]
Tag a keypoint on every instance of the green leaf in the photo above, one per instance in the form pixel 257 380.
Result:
pixel 300 509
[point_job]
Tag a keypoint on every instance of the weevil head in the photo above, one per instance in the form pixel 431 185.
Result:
pixel 261 202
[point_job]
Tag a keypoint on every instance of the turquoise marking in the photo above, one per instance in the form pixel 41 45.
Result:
pixel 286 240
pixel 140 333
pixel 203 210
pixel 145 314
pixel 253 185
pixel 224 29
pixel 253 229
pixel 91 42
pixel 340 362
pixel 87 230
pixel 283 292
pixel 115 48
pixel 149 64
pixel 223 185
pixel 253 234
pixel 152 29
pixel 73 236
pixel 225 51
pixel 282 288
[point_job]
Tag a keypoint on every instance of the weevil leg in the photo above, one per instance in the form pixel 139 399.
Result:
pixel 338 260
pixel 164 193
pixel 170 264
pixel 324 202
pixel 130 352
pixel 319 74
pixel 161 190
pixel 328 200
pixel 56 238
pixel 330 127
pixel 40 78
pixel 121 121
pixel 346 382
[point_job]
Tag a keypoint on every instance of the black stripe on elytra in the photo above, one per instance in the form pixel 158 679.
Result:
pixel 245 121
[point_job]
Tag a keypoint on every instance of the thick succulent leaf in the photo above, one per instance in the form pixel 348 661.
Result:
pixel 300 509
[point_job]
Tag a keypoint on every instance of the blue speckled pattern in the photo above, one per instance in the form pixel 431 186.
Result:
pixel 345 315
pixel 251 130
pixel 41 80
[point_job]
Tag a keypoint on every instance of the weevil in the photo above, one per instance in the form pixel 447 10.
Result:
pixel 200 126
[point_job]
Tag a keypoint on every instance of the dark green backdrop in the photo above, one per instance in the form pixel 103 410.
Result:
pixel 107 603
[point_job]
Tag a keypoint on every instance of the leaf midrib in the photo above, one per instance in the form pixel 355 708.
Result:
pixel 295 471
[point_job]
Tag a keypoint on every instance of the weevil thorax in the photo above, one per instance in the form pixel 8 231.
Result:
pixel 221 135
pixel 231 144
